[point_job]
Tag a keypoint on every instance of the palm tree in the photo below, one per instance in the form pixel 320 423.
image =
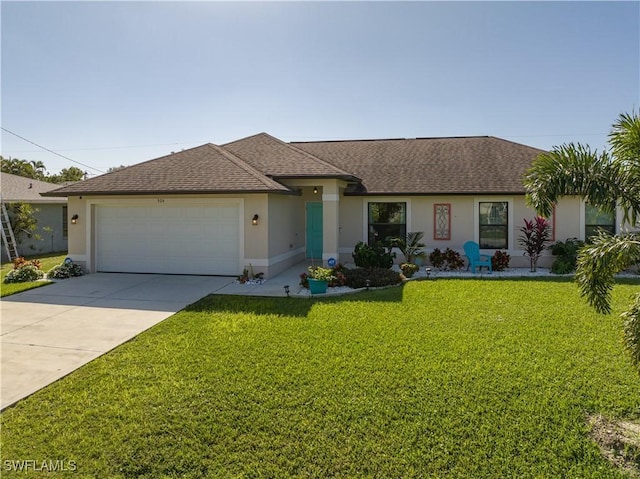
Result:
pixel 604 180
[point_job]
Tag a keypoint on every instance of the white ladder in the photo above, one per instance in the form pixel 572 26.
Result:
pixel 8 237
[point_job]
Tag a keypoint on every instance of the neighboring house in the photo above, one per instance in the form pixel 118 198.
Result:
pixel 50 214
pixel 262 202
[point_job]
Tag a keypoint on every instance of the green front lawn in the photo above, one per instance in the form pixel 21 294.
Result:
pixel 48 262
pixel 445 379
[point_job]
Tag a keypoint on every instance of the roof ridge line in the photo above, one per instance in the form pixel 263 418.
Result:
pixel 239 162
pixel 307 154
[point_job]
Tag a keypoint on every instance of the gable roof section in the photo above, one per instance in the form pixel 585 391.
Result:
pixel 457 165
pixel 203 169
pixel 278 159
pixel 15 188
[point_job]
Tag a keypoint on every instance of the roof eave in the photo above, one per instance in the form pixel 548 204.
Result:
pixel 434 193
pixel 173 192
pixel 348 178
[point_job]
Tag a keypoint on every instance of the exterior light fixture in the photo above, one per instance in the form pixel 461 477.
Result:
pixel 428 271
pixel 74 219
pixel 254 220
pixel 315 190
pixel 368 283
pixel 286 290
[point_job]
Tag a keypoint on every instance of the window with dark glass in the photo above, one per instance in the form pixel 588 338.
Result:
pixel 494 224
pixel 387 220
pixel 65 223
pixel 595 219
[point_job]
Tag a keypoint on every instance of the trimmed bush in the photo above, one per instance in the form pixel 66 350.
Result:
pixel 357 278
pixel 65 270
pixel 372 256
pixel 27 272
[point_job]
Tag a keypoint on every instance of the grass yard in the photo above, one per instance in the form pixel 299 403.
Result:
pixel 438 379
pixel 48 262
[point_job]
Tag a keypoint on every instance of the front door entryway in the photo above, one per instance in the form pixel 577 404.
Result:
pixel 314 230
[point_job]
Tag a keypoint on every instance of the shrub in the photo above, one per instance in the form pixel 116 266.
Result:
pixel 449 260
pixel 339 276
pixel 567 255
pixel 412 246
pixel 65 270
pixel 436 258
pixel 452 259
pixel 535 235
pixel 409 269
pixel 500 260
pixel 27 272
pixel 357 278
pixel 20 262
pixel 373 256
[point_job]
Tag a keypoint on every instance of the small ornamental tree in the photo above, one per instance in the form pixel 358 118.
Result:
pixel 534 238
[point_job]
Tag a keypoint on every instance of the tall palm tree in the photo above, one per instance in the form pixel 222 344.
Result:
pixel 38 169
pixel 605 180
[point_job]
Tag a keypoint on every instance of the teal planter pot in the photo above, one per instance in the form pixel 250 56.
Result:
pixel 317 286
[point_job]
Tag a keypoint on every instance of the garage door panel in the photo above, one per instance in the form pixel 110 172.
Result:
pixel 194 239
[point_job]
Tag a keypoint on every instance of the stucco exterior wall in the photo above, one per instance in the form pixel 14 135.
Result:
pixel 463 219
pixel 286 237
pixel 255 243
pixel 279 239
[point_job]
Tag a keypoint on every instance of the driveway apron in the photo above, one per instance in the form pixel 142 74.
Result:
pixel 48 332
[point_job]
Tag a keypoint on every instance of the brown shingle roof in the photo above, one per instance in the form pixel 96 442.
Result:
pixel 15 188
pixel 204 169
pixel 456 165
pixel 278 159
pixel 459 165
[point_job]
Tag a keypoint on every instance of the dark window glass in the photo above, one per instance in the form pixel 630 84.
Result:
pixel 595 220
pixel 494 225
pixel 387 220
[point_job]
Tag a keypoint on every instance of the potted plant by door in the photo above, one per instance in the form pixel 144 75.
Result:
pixel 319 279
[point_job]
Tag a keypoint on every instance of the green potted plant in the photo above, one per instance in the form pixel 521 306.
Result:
pixel 319 279
pixel 412 247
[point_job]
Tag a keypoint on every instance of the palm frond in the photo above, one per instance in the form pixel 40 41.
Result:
pixel 599 261
pixel 571 170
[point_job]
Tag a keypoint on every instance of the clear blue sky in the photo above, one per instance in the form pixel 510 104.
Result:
pixel 110 83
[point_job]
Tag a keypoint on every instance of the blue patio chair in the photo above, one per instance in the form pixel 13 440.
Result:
pixel 472 252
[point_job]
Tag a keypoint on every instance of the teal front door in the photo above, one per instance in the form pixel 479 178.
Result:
pixel 314 230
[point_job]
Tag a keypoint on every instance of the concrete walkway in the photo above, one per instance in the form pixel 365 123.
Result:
pixel 48 332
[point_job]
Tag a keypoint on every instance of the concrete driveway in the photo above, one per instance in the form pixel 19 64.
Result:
pixel 48 332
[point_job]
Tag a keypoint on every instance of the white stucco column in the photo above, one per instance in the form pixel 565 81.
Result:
pixel 330 220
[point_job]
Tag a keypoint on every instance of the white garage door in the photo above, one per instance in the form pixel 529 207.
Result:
pixel 190 239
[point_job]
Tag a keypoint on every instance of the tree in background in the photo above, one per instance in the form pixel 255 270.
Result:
pixel 27 169
pixel 37 170
pixel 23 221
pixel 73 173
pixel 603 180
